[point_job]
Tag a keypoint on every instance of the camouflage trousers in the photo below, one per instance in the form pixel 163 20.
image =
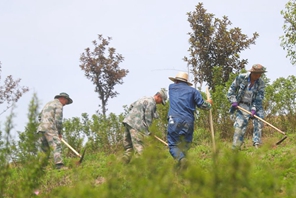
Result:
pixel 132 142
pixel 241 123
pixel 50 140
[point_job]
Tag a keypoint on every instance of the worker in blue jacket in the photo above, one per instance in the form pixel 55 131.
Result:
pixel 183 100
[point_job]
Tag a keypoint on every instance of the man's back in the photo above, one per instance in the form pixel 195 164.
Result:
pixel 51 116
pixel 141 114
pixel 183 100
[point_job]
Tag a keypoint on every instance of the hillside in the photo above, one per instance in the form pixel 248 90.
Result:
pixel 265 172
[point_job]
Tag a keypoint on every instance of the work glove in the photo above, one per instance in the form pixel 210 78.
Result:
pixel 210 101
pixel 234 105
pixel 253 112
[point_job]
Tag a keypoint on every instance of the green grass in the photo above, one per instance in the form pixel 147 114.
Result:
pixel 265 172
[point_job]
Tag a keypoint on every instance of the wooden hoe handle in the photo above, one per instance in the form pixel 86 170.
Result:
pixel 242 109
pixel 70 147
pixel 211 121
pixel 161 140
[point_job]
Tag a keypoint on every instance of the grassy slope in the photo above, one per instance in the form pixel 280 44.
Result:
pixel 265 172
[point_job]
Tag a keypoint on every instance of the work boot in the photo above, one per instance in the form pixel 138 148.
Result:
pixel 126 159
pixel 61 166
pixel 183 164
pixel 236 148
pixel 256 145
pixel 127 156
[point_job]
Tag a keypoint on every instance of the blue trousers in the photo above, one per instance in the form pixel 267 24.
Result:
pixel 179 137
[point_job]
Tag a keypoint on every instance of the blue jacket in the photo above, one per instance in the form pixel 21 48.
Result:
pixel 184 100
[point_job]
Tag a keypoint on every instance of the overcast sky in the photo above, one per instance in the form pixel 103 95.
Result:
pixel 41 43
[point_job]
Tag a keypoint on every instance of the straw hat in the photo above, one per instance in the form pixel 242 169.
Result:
pixel 257 68
pixel 65 95
pixel 181 76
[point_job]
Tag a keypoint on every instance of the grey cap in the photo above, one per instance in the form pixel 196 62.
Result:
pixel 163 94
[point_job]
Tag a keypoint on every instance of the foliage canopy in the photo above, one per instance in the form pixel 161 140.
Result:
pixel 103 69
pixel 11 91
pixel 213 43
pixel 288 40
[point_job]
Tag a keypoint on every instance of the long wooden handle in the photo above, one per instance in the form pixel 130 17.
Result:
pixel 211 120
pixel 161 140
pixel 70 147
pixel 240 108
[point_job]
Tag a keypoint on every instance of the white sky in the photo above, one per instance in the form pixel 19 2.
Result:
pixel 41 43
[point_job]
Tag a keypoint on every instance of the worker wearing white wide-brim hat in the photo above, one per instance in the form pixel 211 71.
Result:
pixel 183 101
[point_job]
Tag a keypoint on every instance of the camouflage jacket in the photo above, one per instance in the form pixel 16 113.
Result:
pixel 141 114
pixel 237 89
pixel 51 117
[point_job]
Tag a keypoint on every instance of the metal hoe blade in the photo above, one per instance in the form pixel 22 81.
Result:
pixel 70 147
pixel 82 156
pixel 281 140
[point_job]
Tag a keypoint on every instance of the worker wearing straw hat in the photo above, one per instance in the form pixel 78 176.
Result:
pixel 183 101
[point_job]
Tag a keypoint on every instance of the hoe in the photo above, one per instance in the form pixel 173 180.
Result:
pixel 277 143
pixel 70 147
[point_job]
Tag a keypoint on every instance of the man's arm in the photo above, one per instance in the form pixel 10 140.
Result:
pixel 231 94
pixel 59 119
pixel 200 102
pixel 149 109
pixel 206 105
pixel 260 96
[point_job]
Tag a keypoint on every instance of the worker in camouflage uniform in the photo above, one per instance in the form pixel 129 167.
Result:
pixel 50 127
pixel 183 102
pixel 247 91
pixel 137 122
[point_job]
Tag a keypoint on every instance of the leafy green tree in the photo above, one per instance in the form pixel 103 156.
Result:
pixel 103 69
pixel 99 133
pixel 213 43
pixel 288 40
pixel 280 102
pixel 73 133
pixel 27 144
pixel 5 153
pixel 105 133
pixel 159 126
pixel 10 91
pixel 27 165
pixel 223 125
